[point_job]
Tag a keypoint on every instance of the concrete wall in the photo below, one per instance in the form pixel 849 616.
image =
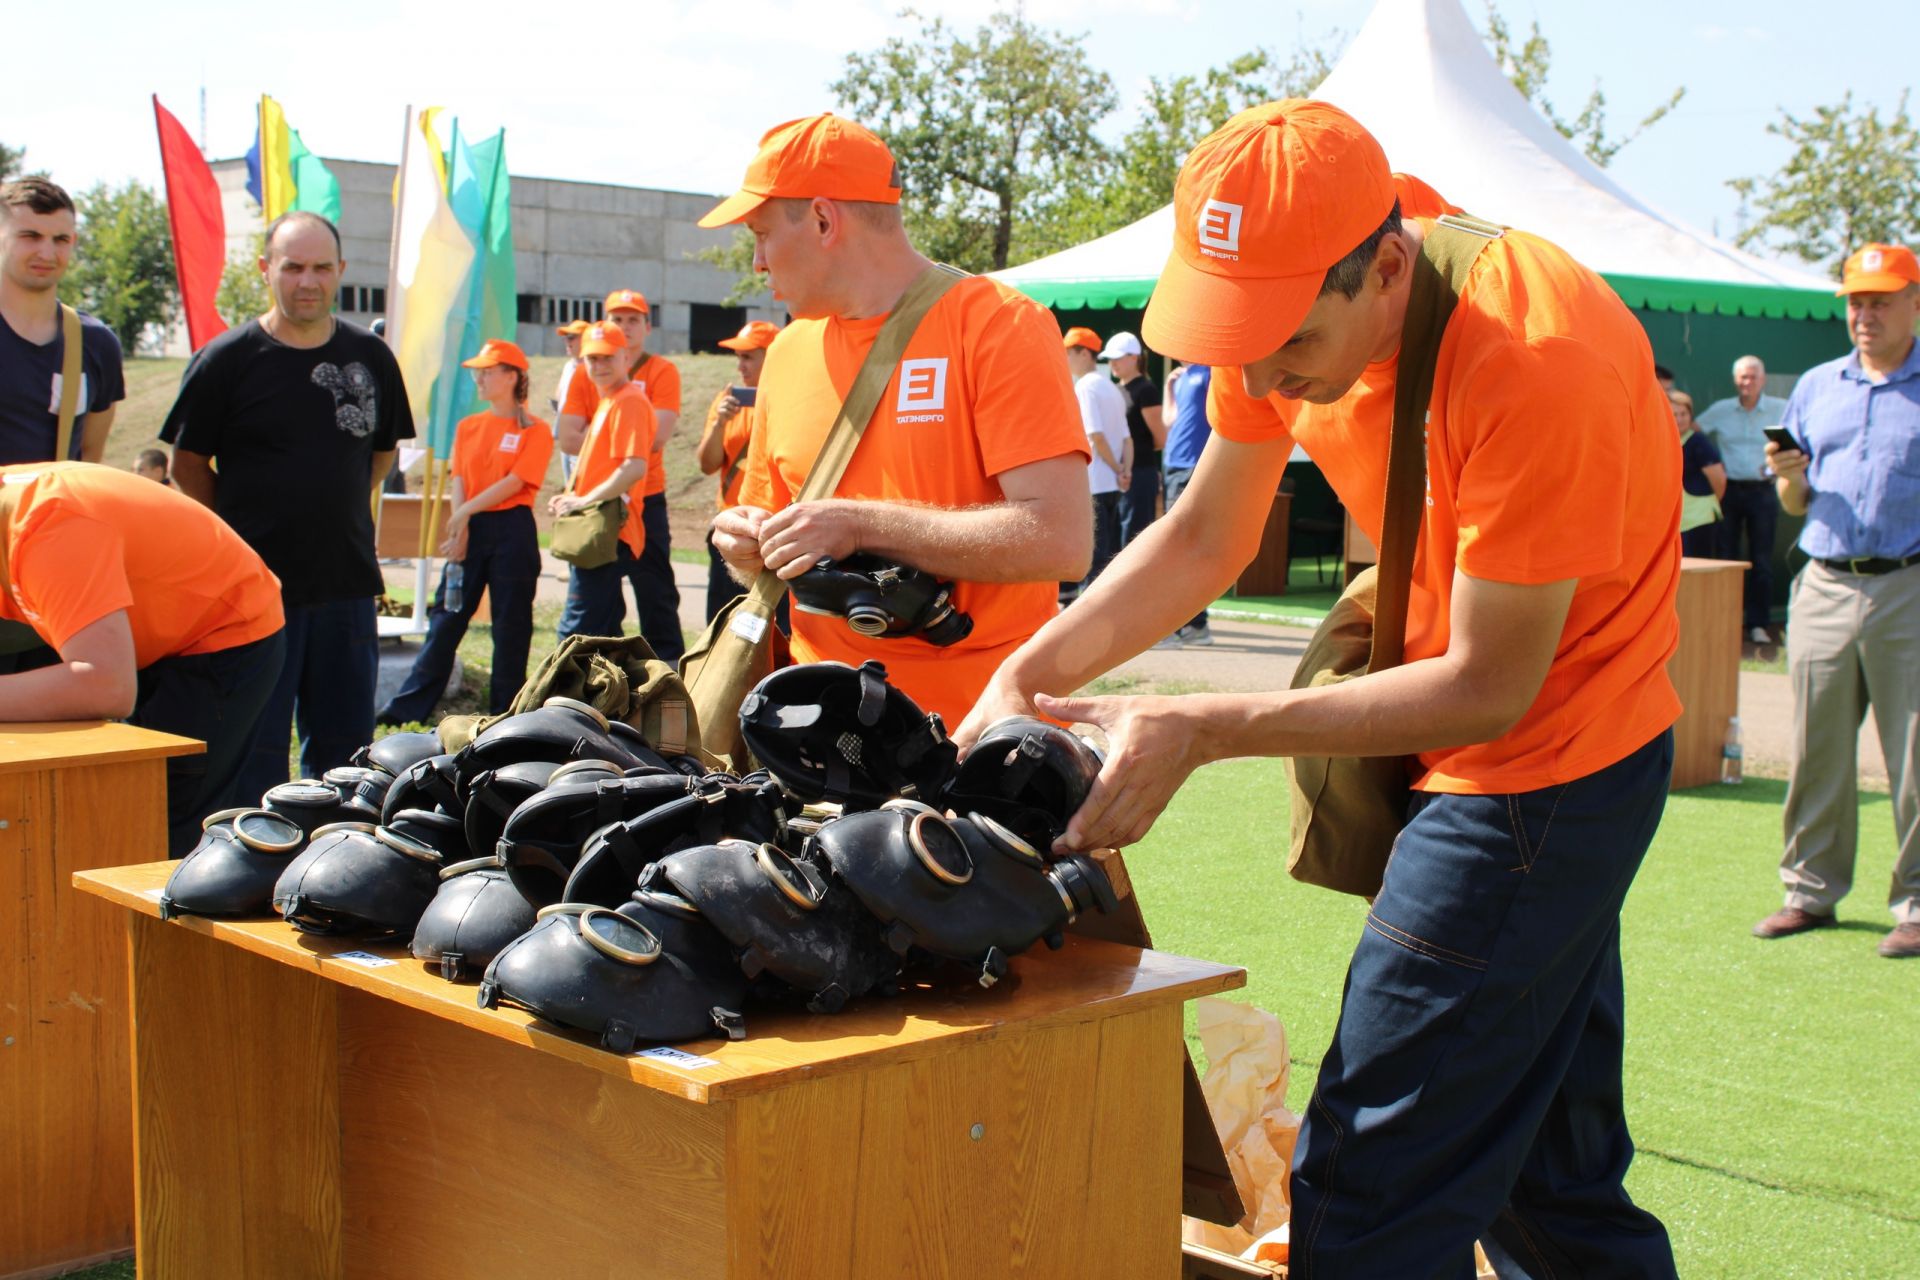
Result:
pixel 574 242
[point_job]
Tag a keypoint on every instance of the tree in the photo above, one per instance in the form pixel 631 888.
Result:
pixel 12 161
pixel 122 268
pixel 989 131
pixel 242 295
pixel 1852 179
pixel 1526 64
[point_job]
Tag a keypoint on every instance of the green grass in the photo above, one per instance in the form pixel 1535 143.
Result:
pixel 1305 603
pixel 1770 1085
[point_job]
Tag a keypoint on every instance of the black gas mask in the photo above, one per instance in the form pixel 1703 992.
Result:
pixel 879 598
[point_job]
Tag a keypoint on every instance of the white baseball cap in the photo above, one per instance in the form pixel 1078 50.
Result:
pixel 1121 344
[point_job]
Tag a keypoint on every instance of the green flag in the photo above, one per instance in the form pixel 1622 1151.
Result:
pixel 316 190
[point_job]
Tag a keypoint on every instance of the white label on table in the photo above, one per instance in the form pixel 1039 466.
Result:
pixel 677 1057
pixel 365 959
pixel 749 627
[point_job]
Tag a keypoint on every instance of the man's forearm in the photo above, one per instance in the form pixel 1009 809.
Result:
pixel 67 690
pixel 193 476
pixel 630 473
pixel 94 430
pixel 1005 542
pixel 1795 493
pixel 664 421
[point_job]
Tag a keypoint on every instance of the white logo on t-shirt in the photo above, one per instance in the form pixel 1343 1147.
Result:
pixel 510 442
pixel 923 390
pixel 1219 229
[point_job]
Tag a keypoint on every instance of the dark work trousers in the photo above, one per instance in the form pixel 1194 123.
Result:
pixel 595 606
pixel 503 560
pixel 1137 504
pixel 325 690
pixel 1472 1089
pixel 1106 534
pixel 1176 481
pixel 1706 540
pixel 217 698
pixel 1752 509
pixel 721 589
pixel 654 594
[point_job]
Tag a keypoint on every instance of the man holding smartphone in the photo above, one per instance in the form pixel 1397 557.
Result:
pixel 1737 426
pixel 723 445
pixel 1853 628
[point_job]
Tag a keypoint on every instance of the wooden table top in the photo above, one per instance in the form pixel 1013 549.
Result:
pixel 1086 979
pixel 48 744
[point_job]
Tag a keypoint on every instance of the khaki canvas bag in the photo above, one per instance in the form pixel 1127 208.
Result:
pixel 734 653
pixel 1347 810
pixel 589 537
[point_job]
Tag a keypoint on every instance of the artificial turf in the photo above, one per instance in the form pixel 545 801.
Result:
pixel 1770 1085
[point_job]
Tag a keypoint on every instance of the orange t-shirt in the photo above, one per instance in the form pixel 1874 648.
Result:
pixel 86 540
pixel 659 380
pixel 1549 456
pixel 488 448
pixel 733 444
pixel 621 428
pixel 983 388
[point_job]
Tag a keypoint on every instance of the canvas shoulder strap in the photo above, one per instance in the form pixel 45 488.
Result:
pixel 1439 273
pixel 69 382
pixel 876 371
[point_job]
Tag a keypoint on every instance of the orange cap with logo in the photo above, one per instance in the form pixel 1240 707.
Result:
pixel 1263 207
pixel 572 328
pixel 497 351
pixel 1879 268
pixel 628 300
pixel 754 335
pixel 1082 337
pixel 602 340
pixel 824 156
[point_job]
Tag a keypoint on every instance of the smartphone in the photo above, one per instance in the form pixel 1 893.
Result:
pixel 1784 438
pixel 744 396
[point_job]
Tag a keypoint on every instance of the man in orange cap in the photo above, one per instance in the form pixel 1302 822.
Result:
pixel 1473 1086
pixel 1103 416
pixel 656 599
pixel 723 445
pixel 613 463
pixel 1853 626
pixel 570 337
pixel 973 468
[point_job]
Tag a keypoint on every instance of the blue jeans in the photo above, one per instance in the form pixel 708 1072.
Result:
pixel 1138 503
pixel 595 605
pixel 1472 1089
pixel 1176 481
pixel 325 688
pixel 503 560
pixel 655 597
pixel 217 698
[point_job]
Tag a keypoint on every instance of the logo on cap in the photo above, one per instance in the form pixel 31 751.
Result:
pixel 1872 260
pixel 923 390
pixel 1219 229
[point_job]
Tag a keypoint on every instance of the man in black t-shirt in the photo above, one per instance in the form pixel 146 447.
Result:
pixel 301 412
pixel 1138 504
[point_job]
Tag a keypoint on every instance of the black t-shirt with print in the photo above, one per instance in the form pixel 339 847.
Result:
pixel 1142 393
pixel 292 432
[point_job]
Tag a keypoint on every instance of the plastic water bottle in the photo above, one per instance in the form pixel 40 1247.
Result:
pixel 452 596
pixel 1730 754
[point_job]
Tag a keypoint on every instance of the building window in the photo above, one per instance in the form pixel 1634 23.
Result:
pixel 526 308
pixel 709 323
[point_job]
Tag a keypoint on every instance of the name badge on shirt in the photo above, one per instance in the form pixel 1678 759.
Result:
pixel 79 403
pixel 510 442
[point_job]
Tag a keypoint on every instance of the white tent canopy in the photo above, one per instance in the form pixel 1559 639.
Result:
pixel 1421 79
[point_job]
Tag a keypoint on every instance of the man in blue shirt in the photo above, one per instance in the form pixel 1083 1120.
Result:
pixel 1853 628
pixel 1737 425
pixel 1185 412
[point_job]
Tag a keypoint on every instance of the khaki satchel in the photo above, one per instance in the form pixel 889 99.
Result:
pixel 735 651
pixel 589 537
pixel 1347 810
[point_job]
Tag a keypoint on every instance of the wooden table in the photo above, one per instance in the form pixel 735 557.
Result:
pixel 72 796
pixel 304 1114
pixel 1706 666
pixel 1267 574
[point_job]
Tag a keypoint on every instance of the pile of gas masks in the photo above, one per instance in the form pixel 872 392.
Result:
pixel 582 876
pixel 880 598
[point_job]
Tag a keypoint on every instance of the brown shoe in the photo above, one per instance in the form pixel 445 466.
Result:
pixel 1788 921
pixel 1902 943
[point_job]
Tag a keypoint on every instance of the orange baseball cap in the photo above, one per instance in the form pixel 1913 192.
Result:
pixel 1083 337
pixel 602 340
pixel 1879 268
pixel 1264 205
pixel 822 155
pixel 572 328
pixel 628 300
pixel 497 351
pixel 754 335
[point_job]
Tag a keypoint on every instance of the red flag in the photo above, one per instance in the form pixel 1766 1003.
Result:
pixel 199 227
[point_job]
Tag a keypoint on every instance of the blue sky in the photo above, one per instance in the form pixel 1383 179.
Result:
pixel 680 98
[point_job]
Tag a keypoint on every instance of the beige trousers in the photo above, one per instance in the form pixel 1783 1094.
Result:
pixel 1851 641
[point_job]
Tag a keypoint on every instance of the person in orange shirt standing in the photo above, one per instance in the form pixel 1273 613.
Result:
pixel 174 623
pixel 972 468
pixel 500 459
pixel 613 463
pixel 655 597
pixel 723 445
pixel 1473 1088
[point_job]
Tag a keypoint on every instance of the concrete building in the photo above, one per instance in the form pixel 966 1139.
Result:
pixel 574 242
